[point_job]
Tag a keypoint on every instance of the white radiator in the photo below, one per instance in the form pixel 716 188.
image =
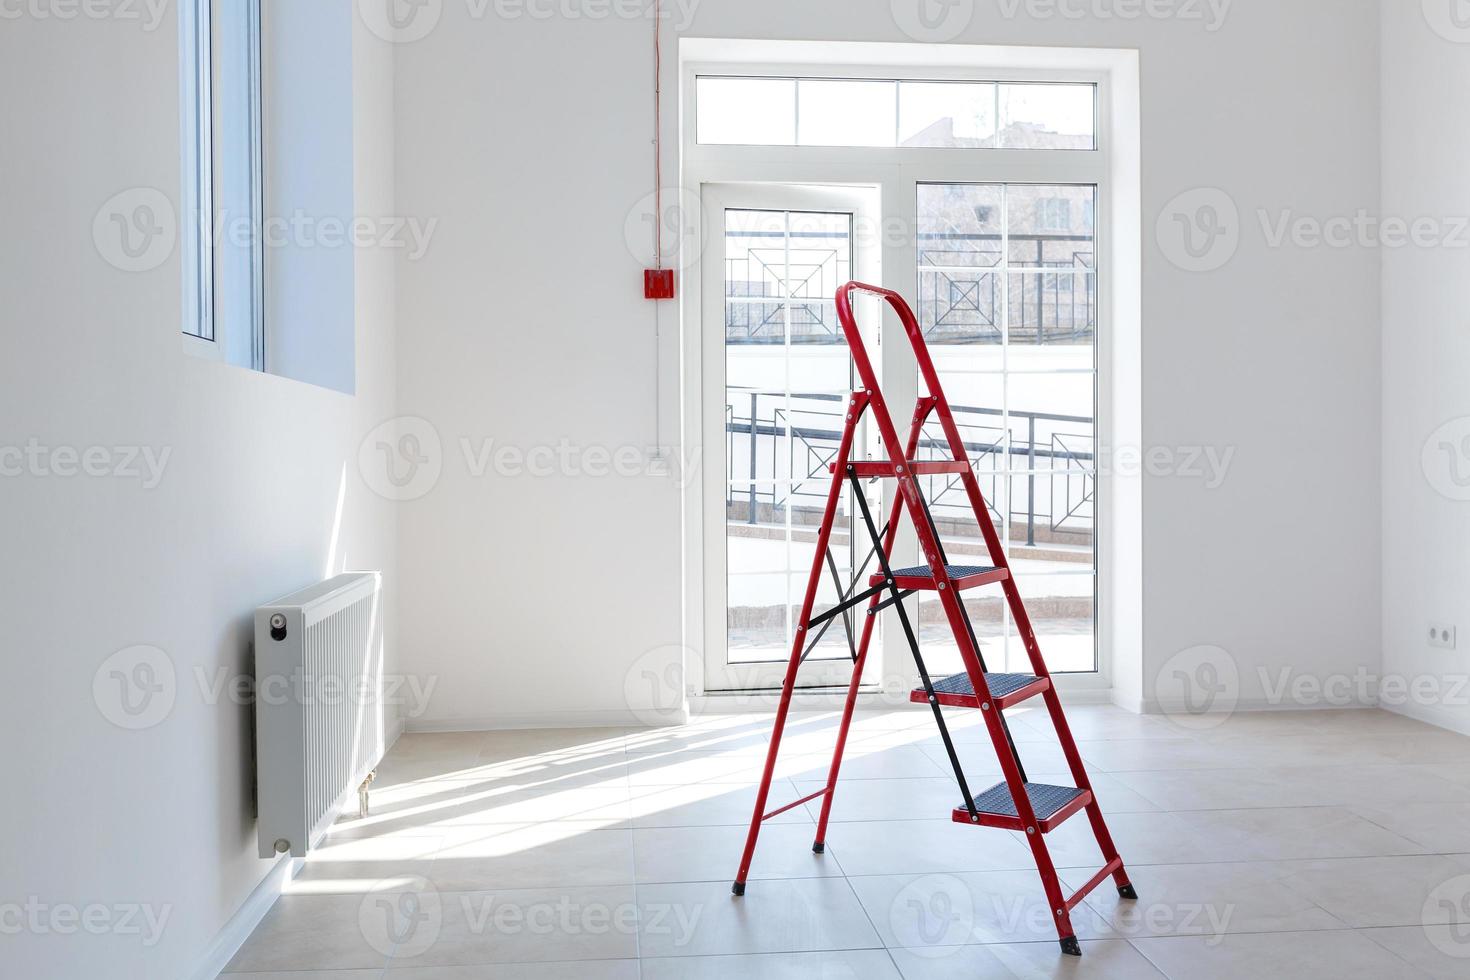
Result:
pixel 319 717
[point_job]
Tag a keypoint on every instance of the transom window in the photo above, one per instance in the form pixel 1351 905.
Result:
pixel 766 111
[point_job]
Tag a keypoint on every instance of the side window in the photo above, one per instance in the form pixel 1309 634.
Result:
pixel 224 265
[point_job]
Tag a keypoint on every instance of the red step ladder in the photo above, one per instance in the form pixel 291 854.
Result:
pixel 1015 804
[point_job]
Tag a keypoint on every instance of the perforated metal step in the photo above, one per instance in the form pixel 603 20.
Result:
pixel 921 579
pixel 956 691
pixel 1051 804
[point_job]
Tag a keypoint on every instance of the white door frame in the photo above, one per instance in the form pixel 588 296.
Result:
pixel 897 173
pixel 861 203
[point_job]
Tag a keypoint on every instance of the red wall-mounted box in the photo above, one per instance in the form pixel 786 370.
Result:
pixel 658 283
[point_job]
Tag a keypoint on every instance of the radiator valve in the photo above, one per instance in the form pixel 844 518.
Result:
pixel 362 795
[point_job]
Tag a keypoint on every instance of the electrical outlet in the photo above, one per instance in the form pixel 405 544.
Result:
pixel 1441 636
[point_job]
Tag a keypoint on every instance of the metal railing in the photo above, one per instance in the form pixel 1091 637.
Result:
pixel 778 451
pixel 1050 295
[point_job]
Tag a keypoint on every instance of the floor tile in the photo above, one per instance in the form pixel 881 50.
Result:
pixel 311 932
pixel 1141 838
pixel 713 805
pixel 520 926
pixel 667 854
pixel 1435 826
pixel 1233 789
pixel 1101 960
pixel 559 853
pixel 796 915
pixel 1209 900
pixel 928 797
pixel 898 847
pixel 1278 956
pixel 1282 834
pixel 1389 891
pixel 1440 951
pixel 576 970
pixel 938 910
pixel 858 964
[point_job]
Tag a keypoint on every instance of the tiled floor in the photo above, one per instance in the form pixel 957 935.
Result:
pixel 1331 844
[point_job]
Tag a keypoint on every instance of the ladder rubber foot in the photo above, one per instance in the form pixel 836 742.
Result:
pixel 737 889
pixel 1071 947
pixel 819 848
pixel 1128 892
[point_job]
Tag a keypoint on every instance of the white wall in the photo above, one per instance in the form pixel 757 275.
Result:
pixel 1426 357
pixel 245 511
pixel 525 324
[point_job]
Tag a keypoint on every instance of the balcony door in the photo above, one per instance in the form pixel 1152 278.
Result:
pixel 777 375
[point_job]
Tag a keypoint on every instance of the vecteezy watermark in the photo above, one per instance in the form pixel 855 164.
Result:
pixel 401 21
pixel 1450 19
pixel 136 230
pixel 933 21
pixel 402 459
pixel 570 459
pixel 653 687
pixel 1446 917
pixel 408 692
pixel 1288 687
pixel 303 230
pixel 136 687
pixel 148 14
pixel 145 464
pixel 1363 229
pixel 933 916
pixel 37 917
pixel 1199 231
pixel 1446 459
pixel 674 219
pixel 1209 465
pixel 407 21
pixel 1198 688
pixel 1209 13
pixel 404 917
pixel 1021 916
pixel 401 916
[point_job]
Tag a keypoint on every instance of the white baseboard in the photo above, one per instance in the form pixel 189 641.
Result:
pixel 229 939
pixel 1453 719
pixel 1155 706
pixel 535 719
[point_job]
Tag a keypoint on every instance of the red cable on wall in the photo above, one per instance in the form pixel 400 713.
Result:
pixel 658 154
pixel 658 282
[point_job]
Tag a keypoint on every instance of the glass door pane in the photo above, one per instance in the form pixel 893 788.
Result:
pixel 787 379
pixel 1007 278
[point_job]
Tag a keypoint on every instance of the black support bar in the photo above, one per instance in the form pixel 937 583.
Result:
pixel 970 629
pixel 913 640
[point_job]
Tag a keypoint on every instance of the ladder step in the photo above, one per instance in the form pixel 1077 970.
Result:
pixel 880 469
pixel 1006 690
pixel 920 578
pixel 1051 804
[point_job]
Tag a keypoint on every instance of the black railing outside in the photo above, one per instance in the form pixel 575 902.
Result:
pixel 1048 459
pixel 1051 294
